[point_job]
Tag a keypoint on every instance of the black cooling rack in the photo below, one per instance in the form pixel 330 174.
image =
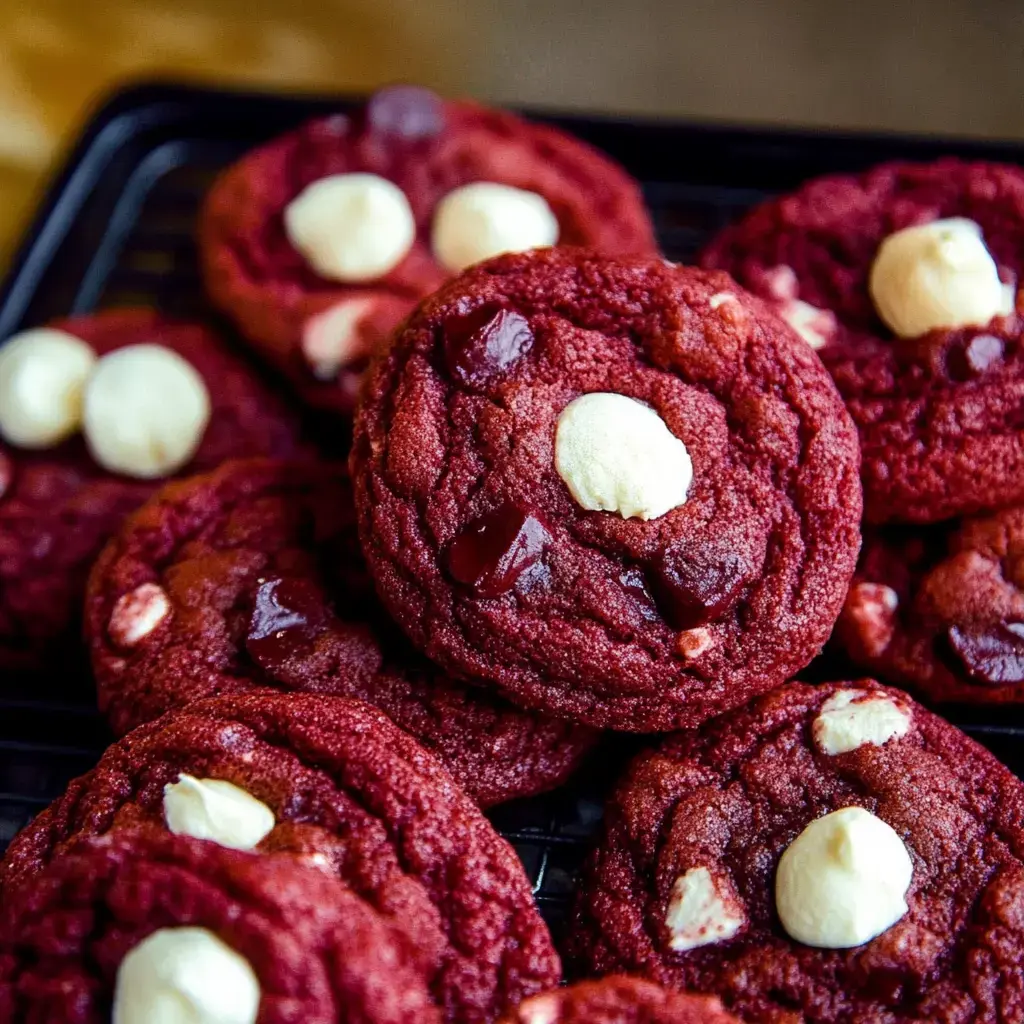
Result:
pixel 116 229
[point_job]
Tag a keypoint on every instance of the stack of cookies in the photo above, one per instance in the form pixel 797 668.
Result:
pixel 561 486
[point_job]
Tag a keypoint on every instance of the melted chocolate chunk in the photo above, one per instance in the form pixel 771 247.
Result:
pixel 694 586
pixel 495 550
pixel 633 583
pixel 286 618
pixel 994 656
pixel 405 112
pixel 485 342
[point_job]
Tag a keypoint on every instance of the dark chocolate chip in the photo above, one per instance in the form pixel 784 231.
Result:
pixel 696 585
pixel 485 342
pixel 994 655
pixel 495 550
pixel 633 583
pixel 286 618
pixel 405 112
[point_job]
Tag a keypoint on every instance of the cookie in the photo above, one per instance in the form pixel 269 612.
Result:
pixel 317 244
pixel 904 277
pixel 334 782
pixel 65 404
pixel 619 1000
pixel 250 577
pixel 828 853
pixel 941 610
pixel 622 491
pixel 130 926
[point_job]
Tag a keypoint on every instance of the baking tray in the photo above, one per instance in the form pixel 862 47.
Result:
pixel 117 228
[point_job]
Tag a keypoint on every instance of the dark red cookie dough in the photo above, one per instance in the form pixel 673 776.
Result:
pixel 619 1000
pixel 732 796
pixel 941 610
pixel 427 147
pixel 352 792
pixel 939 416
pixel 264 584
pixel 320 953
pixel 58 506
pixel 483 556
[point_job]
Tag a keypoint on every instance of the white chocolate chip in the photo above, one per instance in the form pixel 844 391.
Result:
pixel 185 976
pixel 937 275
pixel 330 340
pixel 692 643
pixel 145 413
pixel 719 298
pixel 782 282
pixel 542 1009
pixel 42 376
pixel 843 880
pixel 351 227
pixel 319 861
pixel 137 614
pixel 870 609
pixel 617 455
pixel 851 718
pixel 816 326
pixel 486 219
pixel 218 811
pixel 701 912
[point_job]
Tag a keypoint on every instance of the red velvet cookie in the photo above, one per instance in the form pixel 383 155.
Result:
pixel 828 853
pixel 942 610
pixel 619 1000
pixel 252 577
pixel 347 791
pixel 58 505
pixel 938 410
pixel 119 921
pixel 394 240
pixel 530 406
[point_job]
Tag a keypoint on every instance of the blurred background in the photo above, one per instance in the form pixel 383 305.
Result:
pixel 948 66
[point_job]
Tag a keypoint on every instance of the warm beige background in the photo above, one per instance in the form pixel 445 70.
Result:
pixel 937 65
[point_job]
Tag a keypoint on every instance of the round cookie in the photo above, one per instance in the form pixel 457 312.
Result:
pixel 318 320
pixel 619 1000
pixel 349 792
pixel 532 404
pixel 907 901
pixel 250 577
pixel 937 413
pixel 118 922
pixel 58 506
pixel 942 610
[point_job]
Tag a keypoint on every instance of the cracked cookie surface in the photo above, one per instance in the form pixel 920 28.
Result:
pixel 317 952
pixel 941 609
pixel 729 799
pixel 483 555
pixel 251 576
pixel 427 147
pixel 350 792
pixel 939 416
pixel 58 507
